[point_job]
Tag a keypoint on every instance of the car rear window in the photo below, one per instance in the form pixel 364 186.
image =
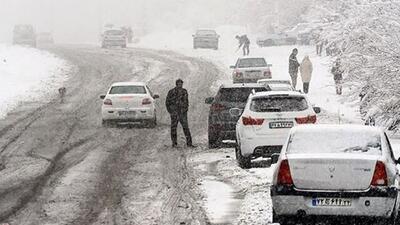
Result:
pixel 114 32
pixel 129 89
pixel 279 104
pixel 206 33
pixel 337 141
pixel 252 62
pixel 237 94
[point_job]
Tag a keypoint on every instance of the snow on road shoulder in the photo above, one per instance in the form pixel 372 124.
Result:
pixel 28 74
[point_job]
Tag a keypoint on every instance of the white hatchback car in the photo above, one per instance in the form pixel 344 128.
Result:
pixel 250 69
pixel 336 171
pixel 129 102
pixel 264 125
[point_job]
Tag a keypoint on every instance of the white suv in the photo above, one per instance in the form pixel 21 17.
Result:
pixel 263 127
pixel 129 102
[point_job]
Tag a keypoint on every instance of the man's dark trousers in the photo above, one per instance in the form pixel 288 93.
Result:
pixel 183 120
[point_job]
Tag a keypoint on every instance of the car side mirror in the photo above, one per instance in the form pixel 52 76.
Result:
pixel 193 35
pixel 209 100
pixel 156 96
pixel 398 161
pixel 232 67
pixel 102 96
pixel 274 158
pixel 235 112
pixel 317 109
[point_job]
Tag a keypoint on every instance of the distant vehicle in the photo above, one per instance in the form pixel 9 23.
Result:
pixel 277 85
pixel 45 38
pixel 264 125
pixel 205 39
pixel 24 34
pixel 221 125
pixel 129 102
pixel 114 37
pixel 340 171
pixel 250 69
pixel 277 40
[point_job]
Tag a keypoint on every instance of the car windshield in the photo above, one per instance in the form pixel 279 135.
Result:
pixel 237 94
pixel 335 141
pixel 206 33
pixel 127 90
pixel 252 62
pixel 114 32
pixel 279 103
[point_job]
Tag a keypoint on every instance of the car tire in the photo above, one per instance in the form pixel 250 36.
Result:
pixel 283 220
pixel 244 162
pixel 106 123
pixel 214 140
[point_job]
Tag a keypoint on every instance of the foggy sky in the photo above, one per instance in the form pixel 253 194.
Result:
pixel 81 21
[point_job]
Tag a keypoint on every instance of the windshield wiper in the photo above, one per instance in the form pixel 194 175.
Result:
pixel 355 149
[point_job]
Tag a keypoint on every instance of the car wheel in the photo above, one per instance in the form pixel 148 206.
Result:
pixel 106 123
pixel 244 162
pixel 283 220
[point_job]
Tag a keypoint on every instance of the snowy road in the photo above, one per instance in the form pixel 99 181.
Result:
pixel 62 167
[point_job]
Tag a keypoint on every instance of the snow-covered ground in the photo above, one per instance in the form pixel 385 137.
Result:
pixel 253 183
pixel 28 74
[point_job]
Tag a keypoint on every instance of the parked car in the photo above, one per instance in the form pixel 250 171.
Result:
pixel 45 38
pixel 24 34
pixel 277 85
pixel 276 40
pixel 129 102
pixel 205 39
pixel 221 125
pixel 264 125
pixel 114 37
pixel 341 171
pixel 250 69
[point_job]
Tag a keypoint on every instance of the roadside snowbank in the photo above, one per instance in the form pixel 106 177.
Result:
pixel 28 74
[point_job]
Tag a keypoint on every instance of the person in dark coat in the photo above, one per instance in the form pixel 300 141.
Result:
pixel 294 67
pixel 337 72
pixel 177 104
pixel 245 43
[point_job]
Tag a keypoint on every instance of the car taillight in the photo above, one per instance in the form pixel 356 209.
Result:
pixel 217 107
pixel 305 120
pixel 107 102
pixel 380 177
pixel 248 121
pixel 267 74
pixel 146 101
pixel 238 74
pixel 284 175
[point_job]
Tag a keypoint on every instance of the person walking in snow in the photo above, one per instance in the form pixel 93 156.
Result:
pixel 337 72
pixel 294 67
pixel 306 69
pixel 245 43
pixel 177 104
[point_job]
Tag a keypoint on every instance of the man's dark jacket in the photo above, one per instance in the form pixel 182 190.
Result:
pixel 177 101
pixel 293 64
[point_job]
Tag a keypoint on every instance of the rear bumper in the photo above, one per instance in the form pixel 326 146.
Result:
pixel 139 115
pixel 205 43
pixel 114 42
pixel 375 202
pixel 268 144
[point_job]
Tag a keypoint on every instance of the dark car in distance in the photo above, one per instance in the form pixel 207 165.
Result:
pixel 221 125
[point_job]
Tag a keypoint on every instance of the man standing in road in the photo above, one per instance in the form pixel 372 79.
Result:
pixel 294 67
pixel 177 104
pixel 245 42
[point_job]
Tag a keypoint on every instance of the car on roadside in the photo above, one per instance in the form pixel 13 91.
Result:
pixel 278 39
pixel 342 172
pixel 206 39
pixel 221 125
pixel 277 85
pixel 250 69
pixel 129 102
pixel 24 34
pixel 113 37
pixel 265 123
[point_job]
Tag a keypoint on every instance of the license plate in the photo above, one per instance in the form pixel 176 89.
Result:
pixel 277 125
pixel 126 113
pixel 331 202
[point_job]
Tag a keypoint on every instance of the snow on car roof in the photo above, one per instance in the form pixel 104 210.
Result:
pixel 317 128
pixel 274 80
pixel 129 83
pixel 251 57
pixel 269 93
pixel 238 85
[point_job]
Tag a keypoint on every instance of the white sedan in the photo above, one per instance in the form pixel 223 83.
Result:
pixel 277 85
pixel 264 125
pixel 129 102
pixel 336 171
pixel 250 69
